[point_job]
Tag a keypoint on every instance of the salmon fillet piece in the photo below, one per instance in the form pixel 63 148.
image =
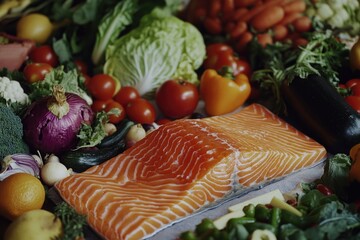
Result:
pixel 184 166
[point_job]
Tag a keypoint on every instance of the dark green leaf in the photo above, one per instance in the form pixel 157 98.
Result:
pixel 336 174
pixel 73 223
pixel 87 12
pixel 62 50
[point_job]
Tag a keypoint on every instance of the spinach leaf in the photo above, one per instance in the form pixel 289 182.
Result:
pixel 336 174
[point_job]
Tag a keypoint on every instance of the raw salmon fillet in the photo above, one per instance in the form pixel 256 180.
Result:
pixel 184 166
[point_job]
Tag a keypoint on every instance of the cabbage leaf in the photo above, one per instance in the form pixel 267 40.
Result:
pixel 111 25
pixel 162 47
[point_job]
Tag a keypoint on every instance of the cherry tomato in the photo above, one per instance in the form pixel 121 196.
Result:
pixel 126 94
pixel 242 66
pixel 141 111
pixel 102 86
pixel 355 90
pixel 115 106
pixel 218 56
pixel 44 54
pixel 343 86
pixel 34 72
pixel 352 82
pixel 323 189
pixel 221 55
pixel 81 66
pixel 354 102
pixel 86 79
pixel 99 105
pixel 177 98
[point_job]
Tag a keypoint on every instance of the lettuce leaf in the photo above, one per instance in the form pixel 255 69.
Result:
pixel 162 47
pixel 111 25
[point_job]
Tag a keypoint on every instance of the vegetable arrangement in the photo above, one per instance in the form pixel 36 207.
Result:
pixel 241 21
pixel 119 68
pixel 321 216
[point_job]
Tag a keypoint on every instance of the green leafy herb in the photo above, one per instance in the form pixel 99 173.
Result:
pixel 280 62
pixel 329 218
pixel 73 223
pixel 71 81
pixel 92 135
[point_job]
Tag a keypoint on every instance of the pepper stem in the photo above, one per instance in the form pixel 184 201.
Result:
pixel 57 104
pixel 227 72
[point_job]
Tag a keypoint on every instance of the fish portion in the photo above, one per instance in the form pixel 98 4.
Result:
pixel 183 167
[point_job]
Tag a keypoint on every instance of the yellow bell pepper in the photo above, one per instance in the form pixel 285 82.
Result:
pixel 222 94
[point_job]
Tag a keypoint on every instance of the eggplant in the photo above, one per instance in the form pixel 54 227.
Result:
pixel 322 113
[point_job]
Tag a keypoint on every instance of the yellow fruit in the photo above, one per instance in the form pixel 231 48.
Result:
pixel 34 26
pixel 20 193
pixel 36 224
pixel 355 56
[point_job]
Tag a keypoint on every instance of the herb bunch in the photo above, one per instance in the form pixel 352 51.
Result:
pixel 281 62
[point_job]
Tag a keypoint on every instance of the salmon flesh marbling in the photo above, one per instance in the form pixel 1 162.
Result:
pixel 184 166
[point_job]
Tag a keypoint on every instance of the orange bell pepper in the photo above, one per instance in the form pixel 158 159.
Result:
pixel 222 94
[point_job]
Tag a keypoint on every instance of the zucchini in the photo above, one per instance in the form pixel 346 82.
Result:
pixel 322 113
pixel 82 159
pixel 117 136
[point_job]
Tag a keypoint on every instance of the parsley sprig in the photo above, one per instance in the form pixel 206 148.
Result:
pixel 73 222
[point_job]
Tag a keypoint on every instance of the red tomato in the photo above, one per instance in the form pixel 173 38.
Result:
pixel 44 54
pixel 177 98
pixel 102 86
pixel 218 56
pixel 354 102
pixel 163 121
pixel 115 106
pixel 343 86
pixel 352 82
pixel 81 66
pixel 99 105
pixel 141 111
pixel 126 94
pixel 86 79
pixel 34 72
pixel 242 66
pixel 355 90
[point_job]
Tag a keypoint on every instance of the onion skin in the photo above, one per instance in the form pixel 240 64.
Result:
pixel 18 163
pixel 45 132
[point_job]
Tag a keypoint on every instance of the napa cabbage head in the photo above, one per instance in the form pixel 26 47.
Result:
pixel 162 47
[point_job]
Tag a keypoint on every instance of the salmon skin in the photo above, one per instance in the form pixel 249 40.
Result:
pixel 184 166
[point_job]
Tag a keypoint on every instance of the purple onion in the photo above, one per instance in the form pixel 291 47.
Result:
pixel 19 163
pixel 51 124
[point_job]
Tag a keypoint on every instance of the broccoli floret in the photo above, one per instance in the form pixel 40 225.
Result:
pixel 11 133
